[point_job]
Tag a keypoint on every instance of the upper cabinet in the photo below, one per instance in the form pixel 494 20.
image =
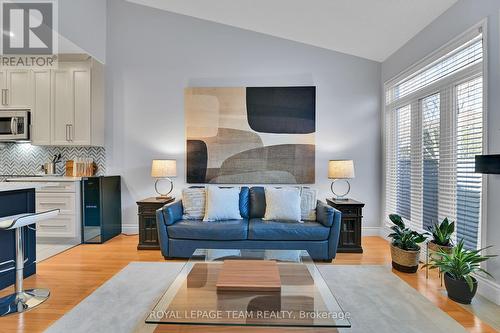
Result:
pixel 68 105
pixel 41 128
pixel 15 87
pixel 71 110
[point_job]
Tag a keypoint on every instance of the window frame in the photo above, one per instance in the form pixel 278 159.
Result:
pixel 415 97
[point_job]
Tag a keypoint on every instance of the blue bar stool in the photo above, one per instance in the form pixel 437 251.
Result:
pixel 23 300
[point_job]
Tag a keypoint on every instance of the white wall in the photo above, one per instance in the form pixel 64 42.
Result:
pixel 452 23
pixel 82 23
pixel 153 55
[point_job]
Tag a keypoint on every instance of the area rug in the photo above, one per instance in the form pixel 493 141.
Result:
pixel 376 298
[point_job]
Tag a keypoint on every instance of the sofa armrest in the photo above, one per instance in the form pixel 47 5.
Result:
pixel 170 213
pixel 325 213
pixel 330 217
pixel 167 215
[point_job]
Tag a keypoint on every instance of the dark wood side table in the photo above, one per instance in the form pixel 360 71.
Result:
pixel 350 229
pixel 148 234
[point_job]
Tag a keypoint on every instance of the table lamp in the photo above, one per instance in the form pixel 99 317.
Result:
pixel 164 170
pixel 341 170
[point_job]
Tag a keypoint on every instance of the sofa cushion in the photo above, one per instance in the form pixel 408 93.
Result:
pixel 257 202
pixel 282 204
pixel 193 203
pixel 217 230
pixel 245 202
pixel 308 204
pixel 280 230
pixel 222 204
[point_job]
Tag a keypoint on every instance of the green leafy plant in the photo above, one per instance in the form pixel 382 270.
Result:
pixel 403 237
pixel 460 263
pixel 442 232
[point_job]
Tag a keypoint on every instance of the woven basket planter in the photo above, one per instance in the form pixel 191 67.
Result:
pixel 405 261
pixel 436 248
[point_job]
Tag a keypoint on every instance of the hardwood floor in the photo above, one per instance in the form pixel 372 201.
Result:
pixel 73 275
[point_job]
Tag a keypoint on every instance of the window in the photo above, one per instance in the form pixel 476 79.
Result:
pixel 469 144
pixel 403 162
pixel 430 156
pixel 433 130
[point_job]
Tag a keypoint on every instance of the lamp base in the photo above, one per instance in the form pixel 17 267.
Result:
pixel 164 197
pixel 340 199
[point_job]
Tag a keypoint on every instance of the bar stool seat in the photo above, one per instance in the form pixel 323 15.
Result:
pixel 23 300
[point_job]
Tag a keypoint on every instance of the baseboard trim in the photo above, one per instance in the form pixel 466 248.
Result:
pixel 488 289
pixel 370 231
pixel 384 232
pixel 130 229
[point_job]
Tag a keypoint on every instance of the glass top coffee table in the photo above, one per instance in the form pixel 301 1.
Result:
pixel 304 299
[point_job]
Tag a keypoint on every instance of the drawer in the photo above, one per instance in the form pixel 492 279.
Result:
pixel 149 210
pixel 63 201
pixel 59 187
pixel 351 211
pixel 59 226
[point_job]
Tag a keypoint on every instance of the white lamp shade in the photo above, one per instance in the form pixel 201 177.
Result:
pixel 163 168
pixel 341 169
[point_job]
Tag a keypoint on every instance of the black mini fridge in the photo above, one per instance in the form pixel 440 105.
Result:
pixel 101 209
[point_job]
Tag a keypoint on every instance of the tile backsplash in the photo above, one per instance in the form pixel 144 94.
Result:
pixel 25 159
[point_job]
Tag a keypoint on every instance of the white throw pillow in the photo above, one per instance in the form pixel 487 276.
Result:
pixel 308 204
pixel 193 203
pixel 282 204
pixel 222 204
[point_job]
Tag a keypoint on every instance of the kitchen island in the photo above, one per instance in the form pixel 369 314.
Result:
pixel 17 198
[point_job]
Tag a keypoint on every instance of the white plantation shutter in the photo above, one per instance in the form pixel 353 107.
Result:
pixel 433 130
pixel 447 159
pixel 390 162
pixel 469 111
pixel 403 162
pixel 430 139
pixel 464 56
pixel 416 167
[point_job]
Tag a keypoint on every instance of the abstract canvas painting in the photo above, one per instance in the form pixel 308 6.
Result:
pixel 251 135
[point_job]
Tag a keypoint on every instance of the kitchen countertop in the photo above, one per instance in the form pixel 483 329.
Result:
pixel 45 179
pixel 5 187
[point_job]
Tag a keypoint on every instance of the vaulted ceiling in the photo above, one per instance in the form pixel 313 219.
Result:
pixel 372 29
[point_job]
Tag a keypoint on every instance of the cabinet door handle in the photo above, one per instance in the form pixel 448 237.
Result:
pixel 71 133
pixel 3 96
pixel 67 128
pixel 6 96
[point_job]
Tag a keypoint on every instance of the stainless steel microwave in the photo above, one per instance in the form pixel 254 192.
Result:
pixel 14 125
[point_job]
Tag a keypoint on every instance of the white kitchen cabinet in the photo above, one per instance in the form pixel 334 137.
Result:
pixel 61 226
pixel 40 115
pixel 67 225
pixel 68 104
pixel 61 193
pixel 71 111
pixel 16 88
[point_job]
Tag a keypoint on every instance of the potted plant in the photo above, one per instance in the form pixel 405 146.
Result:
pixel 405 251
pixel 458 267
pixel 441 236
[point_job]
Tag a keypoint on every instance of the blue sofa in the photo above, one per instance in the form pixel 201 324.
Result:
pixel 180 238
